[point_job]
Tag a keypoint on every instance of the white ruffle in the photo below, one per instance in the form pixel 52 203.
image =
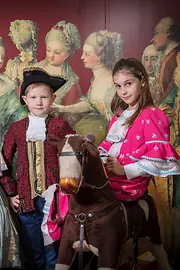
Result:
pixel 117 133
pixel 36 129
pixel 162 169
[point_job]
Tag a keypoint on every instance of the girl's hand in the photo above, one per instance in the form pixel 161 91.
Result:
pixel 114 166
pixel 14 202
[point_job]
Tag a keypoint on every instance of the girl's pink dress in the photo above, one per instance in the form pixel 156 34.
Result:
pixel 146 143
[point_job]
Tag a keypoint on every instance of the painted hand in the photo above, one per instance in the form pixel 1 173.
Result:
pixel 114 166
pixel 14 202
pixel 57 107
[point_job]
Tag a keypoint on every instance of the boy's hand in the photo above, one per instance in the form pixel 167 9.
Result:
pixel 114 166
pixel 14 202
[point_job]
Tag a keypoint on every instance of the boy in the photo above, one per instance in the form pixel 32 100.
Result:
pixel 37 163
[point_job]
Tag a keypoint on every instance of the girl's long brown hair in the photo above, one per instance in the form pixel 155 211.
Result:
pixel 134 67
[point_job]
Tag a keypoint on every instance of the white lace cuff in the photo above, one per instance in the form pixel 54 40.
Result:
pixel 133 170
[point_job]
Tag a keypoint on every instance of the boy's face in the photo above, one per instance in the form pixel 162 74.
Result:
pixel 39 100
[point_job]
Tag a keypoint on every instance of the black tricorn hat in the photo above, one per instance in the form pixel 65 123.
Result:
pixel 38 75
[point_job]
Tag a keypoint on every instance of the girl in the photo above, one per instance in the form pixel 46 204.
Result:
pixel 137 144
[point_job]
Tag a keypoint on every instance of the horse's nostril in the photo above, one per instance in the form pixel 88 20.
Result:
pixel 69 185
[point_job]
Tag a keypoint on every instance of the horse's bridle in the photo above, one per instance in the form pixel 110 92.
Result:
pixel 82 217
pixel 83 156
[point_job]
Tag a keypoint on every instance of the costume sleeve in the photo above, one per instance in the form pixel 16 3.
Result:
pixel 133 170
pixel 8 151
pixel 72 96
pixel 157 156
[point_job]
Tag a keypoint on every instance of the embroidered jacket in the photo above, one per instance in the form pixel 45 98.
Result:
pixel 15 140
pixel 145 143
pixel 168 66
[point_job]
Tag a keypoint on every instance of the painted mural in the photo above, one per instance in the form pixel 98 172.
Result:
pixel 91 113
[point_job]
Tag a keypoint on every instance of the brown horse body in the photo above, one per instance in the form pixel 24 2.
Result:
pixel 105 226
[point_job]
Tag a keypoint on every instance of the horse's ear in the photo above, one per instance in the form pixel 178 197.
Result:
pixel 54 140
pixel 91 148
pixel 90 138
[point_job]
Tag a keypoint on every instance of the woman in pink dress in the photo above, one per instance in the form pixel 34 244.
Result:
pixel 137 145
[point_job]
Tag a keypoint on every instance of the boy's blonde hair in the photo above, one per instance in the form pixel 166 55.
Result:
pixel 42 85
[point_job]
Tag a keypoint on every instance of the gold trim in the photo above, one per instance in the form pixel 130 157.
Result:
pixel 31 168
pixel 36 168
pixel 40 170
pixel 41 69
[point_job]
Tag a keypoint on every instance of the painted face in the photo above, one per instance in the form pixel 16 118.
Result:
pixel 89 57
pixel 2 56
pixel 55 53
pixel 39 100
pixel 150 58
pixel 160 37
pixel 128 88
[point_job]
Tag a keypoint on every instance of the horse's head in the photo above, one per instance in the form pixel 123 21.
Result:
pixel 79 162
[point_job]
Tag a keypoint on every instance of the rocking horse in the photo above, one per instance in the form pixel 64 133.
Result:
pixel 97 220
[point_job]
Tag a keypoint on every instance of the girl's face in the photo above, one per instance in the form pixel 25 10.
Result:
pixel 128 88
pixel 89 57
pixel 55 53
pixel 2 56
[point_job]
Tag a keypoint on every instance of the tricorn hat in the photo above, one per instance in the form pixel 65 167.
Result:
pixel 38 75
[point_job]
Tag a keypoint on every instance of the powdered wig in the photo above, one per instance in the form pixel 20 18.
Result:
pixel 27 24
pixel 67 33
pixel 171 27
pixel 108 46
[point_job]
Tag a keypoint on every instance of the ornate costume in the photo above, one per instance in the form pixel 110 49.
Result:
pixel 13 69
pixel 9 239
pixel 96 121
pixel 11 109
pixel 94 108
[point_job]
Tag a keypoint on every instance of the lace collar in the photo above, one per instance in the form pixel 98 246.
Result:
pixel 118 130
pixel 36 128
